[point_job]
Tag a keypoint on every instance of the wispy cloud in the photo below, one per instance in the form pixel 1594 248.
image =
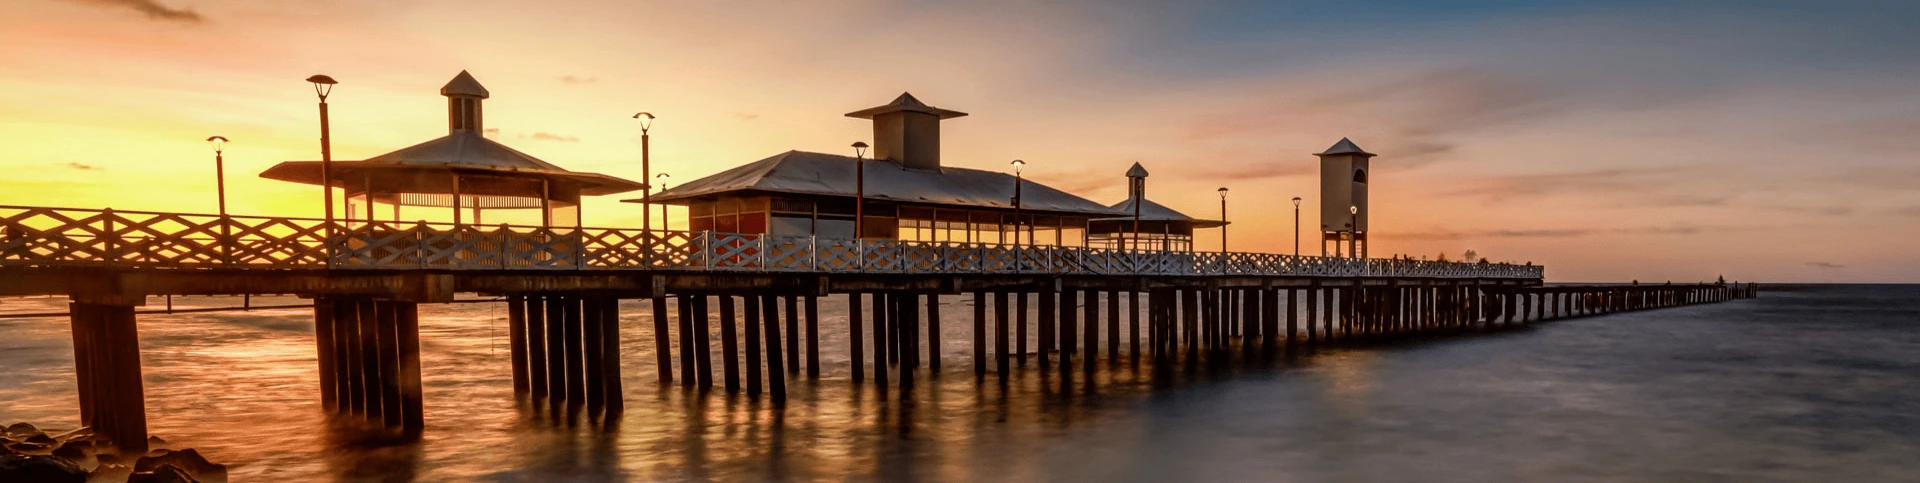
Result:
pixel 152 9
pixel 574 79
pixel 547 136
pixel 84 167
pixel 1447 234
pixel 746 116
pixel 1826 265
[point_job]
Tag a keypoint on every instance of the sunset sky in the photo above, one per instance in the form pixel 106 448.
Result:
pixel 1608 140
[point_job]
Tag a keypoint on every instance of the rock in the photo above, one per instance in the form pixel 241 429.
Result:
pixel 163 474
pixel 107 472
pixel 186 459
pixel 72 451
pixel 42 438
pixel 108 457
pixel 40 469
pixel 29 448
pixel 21 430
pixel 155 441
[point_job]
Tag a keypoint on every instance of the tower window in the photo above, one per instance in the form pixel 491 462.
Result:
pixel 1359 176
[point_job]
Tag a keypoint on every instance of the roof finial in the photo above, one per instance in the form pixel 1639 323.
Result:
pixel 464 85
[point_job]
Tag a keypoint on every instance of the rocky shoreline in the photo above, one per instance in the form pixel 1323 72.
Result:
pixel 28 454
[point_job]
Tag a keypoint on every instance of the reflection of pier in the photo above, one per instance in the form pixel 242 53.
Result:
pixel 561 285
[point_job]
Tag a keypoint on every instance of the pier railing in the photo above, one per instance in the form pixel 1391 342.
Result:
pixel 40 236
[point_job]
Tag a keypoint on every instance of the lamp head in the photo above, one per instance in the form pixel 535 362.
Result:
pixel 1223 192
pixel 1353 210
pixel 1017 164
pixel 322 85
pixel 1296 202
pixel 859 149
pixel 218 142
pixel 646 120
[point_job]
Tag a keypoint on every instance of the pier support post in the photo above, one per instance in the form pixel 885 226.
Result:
pixel 776 376
pixel 730 343
pixel 683 306
pixel 1113 327
pixel 1020 328
pixel 516 343
pixel 1133 325
pixel 662 351
pixel 576 353
pixel 615 393
pixel 879 305
pixel 793 334
pixel 537 347
pixel 1069 306
pixel 592 348
pixel 933 334
pixel 107 355
pixel 855 341
pixel 1047 333
pixel 387 343
pixel 752 324
pixel 323 330
pixel 1088 359
pixel 980 303
pixel 1001 359
pixel 702 342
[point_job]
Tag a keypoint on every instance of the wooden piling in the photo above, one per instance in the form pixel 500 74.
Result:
pixel 537 346
pixel 1047 313
pixel 933 333
pixel 662 350
pixel 1069 306
pixel 702 343
pixel 412 400
pixel 1133 325
pixel 323 339
pixel 730 344
pixel 813 337
pixel 854 338
pixel 516 343
pixel 1113 327
pixel 592 349
pixel 776 378
pixel 683 306
pixel 610 355
pixel 980 303
pixel 752 366
pixel 576 354
pixel 793 334
pixel 1001 359
pixel 1092 332
pixel 906 309
pixel 369 341
pixel 1020 328
pixel 880 338
pixel 387 342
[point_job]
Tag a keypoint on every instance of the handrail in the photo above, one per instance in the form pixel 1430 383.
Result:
pixel 40 236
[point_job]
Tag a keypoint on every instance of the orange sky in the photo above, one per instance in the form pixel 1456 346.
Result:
pixel 1609 142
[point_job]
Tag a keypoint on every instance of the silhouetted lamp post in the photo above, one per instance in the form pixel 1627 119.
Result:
pixel 1223 219
pixel 860 191
pixel 1296 226
pixel 1353 233
pixel 220 171
pixel 646 173
pixel 666 223
pixel 1017 181
pixel 322 86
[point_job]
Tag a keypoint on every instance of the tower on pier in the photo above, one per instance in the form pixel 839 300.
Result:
pixel 1344 172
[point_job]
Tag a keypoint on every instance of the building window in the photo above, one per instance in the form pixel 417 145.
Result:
pixel 1359 176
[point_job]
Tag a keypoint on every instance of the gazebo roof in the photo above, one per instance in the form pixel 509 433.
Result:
pixel 1150 211
pixel 463 151
pixel 801 172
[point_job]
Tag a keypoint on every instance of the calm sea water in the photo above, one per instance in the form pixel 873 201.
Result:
pixel 1807 383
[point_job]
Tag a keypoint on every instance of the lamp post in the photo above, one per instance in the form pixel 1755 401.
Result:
pixel 220 171
pixel 646 172
pixel 322 86
pixel 1353 233
pixel 1017 181
pixel 1296 226
pixel 1223 220
pixel 860 191
pixel 666 223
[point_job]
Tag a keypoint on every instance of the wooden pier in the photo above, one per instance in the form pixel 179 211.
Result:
pixel 758 294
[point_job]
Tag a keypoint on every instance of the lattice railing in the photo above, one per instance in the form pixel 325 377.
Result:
pixel 39 236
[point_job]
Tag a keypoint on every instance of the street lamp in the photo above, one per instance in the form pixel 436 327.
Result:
pixel 859 191
pixel 1353 232
pixel 1017 164
pixel 322 86
pixel 1223 220
pixel 666 223
pixel 1296 226
pixel 220 171
pixel 646 172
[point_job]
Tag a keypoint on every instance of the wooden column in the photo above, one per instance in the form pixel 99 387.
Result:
pixel 793 334
pixel 368 322
pixel 662 350
pixel 730 344
pixel 1313 312
pixel 576 356
pixel 387 343
pixel 683 306
pixel 933 334
pixel 1092 332
pixel 1069 306
pixel 776 378
pixel 1190 323
pixel 813 337
pixel 610 354
pixel 537 346
pixel 1113 327
pixel 880 338
pixel 1133 325
pixel 854 337
pixel 1020 328
pixel 324 347
pixel 752 325
pixel 592 349
pixel 1048 299
pixel 346 313
pixel 516 342
pixel 1002 362
pixel 980 303
pixel 412 405
pixel 107 368
pixel 702 342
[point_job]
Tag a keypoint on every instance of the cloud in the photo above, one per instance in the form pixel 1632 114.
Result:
pixel 1908 211
pixel 152 9
pixel 1826 265
pixel 84 167
pixel 746 116
pixel 546 136
pixel 1447 234
pixel 573 79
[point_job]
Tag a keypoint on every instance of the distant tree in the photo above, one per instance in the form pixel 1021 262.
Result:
pixel 1443 257
pixel 1471 255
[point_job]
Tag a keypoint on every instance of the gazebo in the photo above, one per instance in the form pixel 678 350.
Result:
pixel 1145 225
pixel 463 171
